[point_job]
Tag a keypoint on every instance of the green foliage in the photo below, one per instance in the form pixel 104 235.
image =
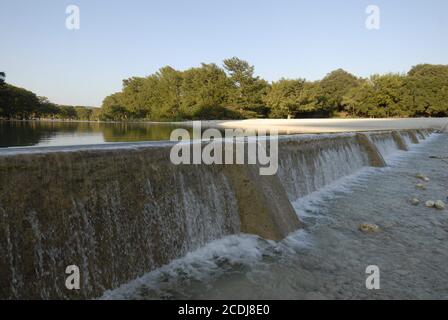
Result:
pixel 247 91
pixel 333 88
pixel 173 95
pixel 83 113
pixel 18 103
pixel 113 108
pixel 204 87
pixel 215 112
pixel 286 97
pixel 422 92
pixel 428 86
pixel 380 96
pixel 235 92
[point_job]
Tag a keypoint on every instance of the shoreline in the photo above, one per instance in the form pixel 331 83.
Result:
pixel 300 126
pixel 314 125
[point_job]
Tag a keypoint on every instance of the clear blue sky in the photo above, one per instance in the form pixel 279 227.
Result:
pixel 282 38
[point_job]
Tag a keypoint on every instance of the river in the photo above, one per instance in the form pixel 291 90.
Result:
pixel 328 258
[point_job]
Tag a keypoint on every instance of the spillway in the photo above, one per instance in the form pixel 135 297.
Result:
pixel 119 212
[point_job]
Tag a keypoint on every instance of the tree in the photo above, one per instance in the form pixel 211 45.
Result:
pixel 285 97
pixel 47 109
pixel 358 100
pixel 247 90
pixel 67 112
pixel 166 100
pixel 113 108
pixel 132 97
pixel 206 86
pixel 333 87
pixel 83 113
pixel 428 86
pixel 173 95
pixel 391 95
pixel 380 96
pixel 211 92
pixel 17 102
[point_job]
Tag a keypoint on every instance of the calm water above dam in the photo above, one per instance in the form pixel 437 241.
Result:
pixel 49 133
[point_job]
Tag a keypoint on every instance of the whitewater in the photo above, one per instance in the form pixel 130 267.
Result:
pixel 327 259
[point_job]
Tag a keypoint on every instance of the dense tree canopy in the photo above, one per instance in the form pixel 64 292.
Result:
pixel 379 96
pixel 18 103
pixel 333 88
pixel 285 97
pixel 422 92
pixel 428 89
pixel 175 95
pixel 247 90
pixel 233 91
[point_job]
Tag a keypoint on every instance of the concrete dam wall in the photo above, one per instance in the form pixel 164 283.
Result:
pixel 121 211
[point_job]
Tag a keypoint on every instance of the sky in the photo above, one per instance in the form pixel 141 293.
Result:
pixel 118 39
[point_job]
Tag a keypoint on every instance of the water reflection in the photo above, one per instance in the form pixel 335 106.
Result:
pixel 53 133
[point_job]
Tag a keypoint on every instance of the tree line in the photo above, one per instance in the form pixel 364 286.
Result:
pixel 19 103
pixel 234 92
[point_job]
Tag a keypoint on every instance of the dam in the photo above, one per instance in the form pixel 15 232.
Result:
pixel 121 211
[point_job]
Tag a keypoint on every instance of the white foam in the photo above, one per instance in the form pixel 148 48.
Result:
pixel 313 204
pixel 216 257
pixel 395 158
pixel 199 264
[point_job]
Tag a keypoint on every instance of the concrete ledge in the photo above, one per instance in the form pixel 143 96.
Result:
pixel 291 126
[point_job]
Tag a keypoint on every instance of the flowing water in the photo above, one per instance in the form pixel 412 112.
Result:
pixel 119 211
pixel 328 258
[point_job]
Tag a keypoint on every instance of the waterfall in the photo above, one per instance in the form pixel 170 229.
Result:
pixel 422 134
pixel 306 165
pixel 120 211
pixel 385 143
pixel 411 136
pixel 113 216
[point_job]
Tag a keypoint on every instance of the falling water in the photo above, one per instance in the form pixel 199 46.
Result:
pixel 385 143
pixel 118 213
pixel 307 165
pixel 115 216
